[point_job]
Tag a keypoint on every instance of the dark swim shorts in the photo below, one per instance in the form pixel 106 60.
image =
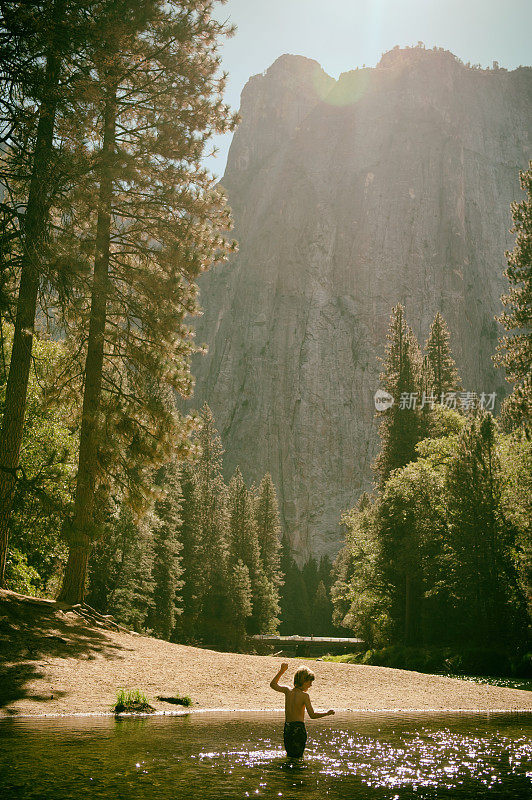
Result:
pixel 295 738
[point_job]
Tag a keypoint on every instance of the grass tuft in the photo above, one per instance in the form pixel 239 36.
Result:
pixel 127 701
pixel 177 700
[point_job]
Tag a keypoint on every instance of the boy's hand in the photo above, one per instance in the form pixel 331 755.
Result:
pixel 284 667
pixel 330 712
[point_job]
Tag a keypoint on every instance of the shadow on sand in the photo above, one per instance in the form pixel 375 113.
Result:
pixel 33 631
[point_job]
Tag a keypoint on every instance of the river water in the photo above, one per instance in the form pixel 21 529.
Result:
pixel 238 755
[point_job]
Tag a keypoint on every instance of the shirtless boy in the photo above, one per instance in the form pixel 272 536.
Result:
pixel 296 700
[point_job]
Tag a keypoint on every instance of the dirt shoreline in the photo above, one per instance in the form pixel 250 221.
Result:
pixel 53 662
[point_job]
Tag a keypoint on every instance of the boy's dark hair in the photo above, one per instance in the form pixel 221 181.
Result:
pixel 303 675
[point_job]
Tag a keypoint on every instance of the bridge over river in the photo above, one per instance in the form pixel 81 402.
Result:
pixel 311 645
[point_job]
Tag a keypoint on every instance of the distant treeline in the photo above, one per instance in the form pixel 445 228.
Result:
pixel 205 565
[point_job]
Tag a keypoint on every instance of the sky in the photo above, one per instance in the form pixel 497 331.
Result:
pixel 344 34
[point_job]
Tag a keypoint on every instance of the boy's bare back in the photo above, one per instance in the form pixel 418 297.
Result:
pixel 297 699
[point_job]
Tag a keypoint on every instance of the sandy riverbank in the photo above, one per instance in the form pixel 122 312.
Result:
pixel 54 662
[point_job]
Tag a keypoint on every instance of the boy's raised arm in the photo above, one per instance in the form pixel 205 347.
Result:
pixel 274 684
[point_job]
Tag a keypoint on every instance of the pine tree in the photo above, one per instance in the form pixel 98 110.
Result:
pixel 321 611
pixel 190 538
pixel 514 352
pixel 157 223
pixel 244 546
pixel 325 571
pixel 132 598
pixel 483 578
pixel 410 527
pixel 326 578
pixel 243 537
pixel 265 605
pixel 402 425
pixel 35 40
pixel 120 575
pixel 445 376
pixel 310 576
pixel 240 604
pixel 212 568
pixel 294 601
pixel 166 570
pixel 269 530
pixel 356 593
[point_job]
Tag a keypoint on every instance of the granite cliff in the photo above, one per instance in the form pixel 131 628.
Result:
pixel 390 184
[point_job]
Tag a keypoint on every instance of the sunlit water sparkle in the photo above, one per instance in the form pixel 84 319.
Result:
pixel 388 756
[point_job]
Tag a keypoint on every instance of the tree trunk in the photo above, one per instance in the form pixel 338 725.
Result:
pixel 409 596
pixel 73 588
pixel 33 233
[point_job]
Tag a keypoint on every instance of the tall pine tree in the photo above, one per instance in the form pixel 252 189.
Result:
pixel 191 556
pixel 269 530
pixel 211 548
pixel 482 540
pixel 244 546
pixel 294 600
pixel 158 222
pixel 444 373
pixel 166 569
pixel 402 425
pixel 514 351
pixel 36 39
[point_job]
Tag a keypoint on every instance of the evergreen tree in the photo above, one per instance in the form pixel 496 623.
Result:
pixel 36 39
pixel 166 570
pixel 243 535
pixel 314 575
pixel 269 530
pixel 482 540
pixel 445 376
pixel 310 576
pixel 514 351
pixel 132 598
pixel 244 546
pixel 326 578
pixel 322 611
pixel 294 601
pixel 325 572
pixel 120 575
pixel 190 538
pixel 266 609
pixel 358 600
pixel 515 453
pixel 410 523
pixel 212 569
pixel 239 604
pixel 157 223
pixel 402 425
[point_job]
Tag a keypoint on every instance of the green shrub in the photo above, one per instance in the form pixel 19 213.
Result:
pixel 20 576
pixel 470 661
pixel 479 661
pixel 522 666
pixel 131 702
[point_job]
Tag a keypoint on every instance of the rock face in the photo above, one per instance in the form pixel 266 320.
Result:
pixel 392 184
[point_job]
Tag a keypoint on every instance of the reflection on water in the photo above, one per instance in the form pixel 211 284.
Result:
pixel 370 755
